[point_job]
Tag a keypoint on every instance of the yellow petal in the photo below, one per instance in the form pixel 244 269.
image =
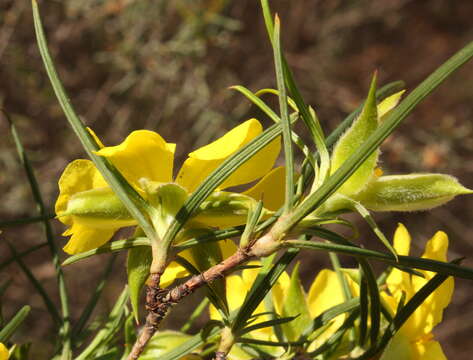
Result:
pixel 236 292
pixel 399 348
pixel 228 248
pixel 173 271
pixel 399 281
pixel 3 352
pixel 143 153
pixel 85 238
pixel 431 311
pixel 324 293
pixel 270 189
pixel 280 290
pixel 206 159
pixel 389 103
pixel 430 350
pixel 79 175
pixel 402 240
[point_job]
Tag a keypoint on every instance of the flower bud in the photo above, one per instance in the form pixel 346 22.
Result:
pixel 410 192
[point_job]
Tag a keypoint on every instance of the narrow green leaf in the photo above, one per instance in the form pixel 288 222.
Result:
pixel 364 304
pixel 138 264
pixel 24 253
pixel 27 220
pixel 254 215
pixel 91 304
pixel 285 123
pixel 336 338
pixel 108 332
pixel 38 286
pixel 195 314
pixel 265 324
pixel 308 117
pixel 130 198
pixel 269 343
pixel 9 329
pixel 254 98
pixel 330 314
pixel 190 345
pixel 290 102
pixel 48 231
pixel 265 280
pixel 130 336
pixel 375 302
pixel 340 276
pixel 162 342
pixel 120 245
pixel 374 226
pixel 408 261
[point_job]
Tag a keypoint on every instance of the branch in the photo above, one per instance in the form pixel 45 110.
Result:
pixel 159 301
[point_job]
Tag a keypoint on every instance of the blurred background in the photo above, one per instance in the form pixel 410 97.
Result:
pixel 167 66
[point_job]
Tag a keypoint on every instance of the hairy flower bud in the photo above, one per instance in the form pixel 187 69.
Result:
pixel 410 192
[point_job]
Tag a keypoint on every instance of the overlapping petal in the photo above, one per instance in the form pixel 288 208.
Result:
pixel 143 153
pixel 203 161
pixel 268 189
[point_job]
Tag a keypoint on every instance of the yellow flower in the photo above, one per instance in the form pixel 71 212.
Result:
pixel 4 355
pixel 325 292
pixel 145 154
pixel 415 341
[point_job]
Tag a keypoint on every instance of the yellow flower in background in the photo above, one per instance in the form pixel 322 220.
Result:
pixel 325 292
pixel 415 341
pixel 4 354
pixel 237 287
pixel 145 154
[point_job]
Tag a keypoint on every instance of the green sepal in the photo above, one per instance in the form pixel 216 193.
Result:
pixel 138 266
pixel 225 209
pixel 295 304
pixel 165 200
pixel 412 192
pixel 351 140
pixel 98 207
pixel 165 341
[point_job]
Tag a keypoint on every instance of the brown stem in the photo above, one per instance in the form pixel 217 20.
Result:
pixel 220 355
pixel 158 301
